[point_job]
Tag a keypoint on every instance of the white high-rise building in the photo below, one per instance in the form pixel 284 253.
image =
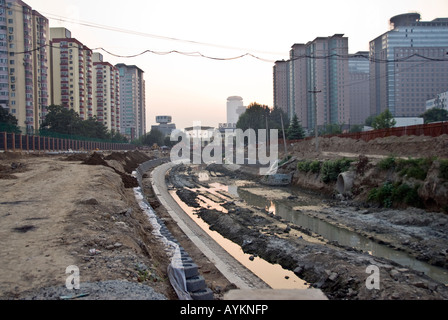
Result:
pixel 235 108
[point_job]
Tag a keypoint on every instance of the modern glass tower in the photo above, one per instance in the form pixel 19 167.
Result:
pixel 408 65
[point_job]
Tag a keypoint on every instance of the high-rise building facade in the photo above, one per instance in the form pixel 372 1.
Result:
pixel 321 66
pixel 106 93
pixel 132 101
pixel 71 73
pixel 24 63
pixel 359 87
pixel 281 85
pixel 409 65
pixel 235 108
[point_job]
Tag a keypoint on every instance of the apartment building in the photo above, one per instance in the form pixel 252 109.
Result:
pixel 132 101
pixel 359 87
pixel 409 65
pixel 71 73
pixel 106 102
pixel 320 65
pixel 24 63
pixel 281 85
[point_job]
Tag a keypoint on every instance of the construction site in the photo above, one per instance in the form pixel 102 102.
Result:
pixel 114 216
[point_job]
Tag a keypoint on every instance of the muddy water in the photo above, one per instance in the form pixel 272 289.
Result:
pixel 334 233
pixel 273 274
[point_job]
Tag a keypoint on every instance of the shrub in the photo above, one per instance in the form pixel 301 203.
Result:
pixel 389 194
pixel 330 170
pixel 387 163
pixel 443 171
pixel 414 168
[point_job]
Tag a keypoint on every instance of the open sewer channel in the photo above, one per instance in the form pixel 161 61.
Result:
pixel 272 274
pixel 342 236
pixel 280 278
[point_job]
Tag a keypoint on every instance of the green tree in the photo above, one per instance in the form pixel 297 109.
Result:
pixel 295 130
pixel 384 121
pixel 61 120
pixel 434 115
pixel 254 117
pixel 8 122
pixel 275 121
pixel 332 128
pixel 154 136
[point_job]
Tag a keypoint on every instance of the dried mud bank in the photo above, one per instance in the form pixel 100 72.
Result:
pixel 341 272
pixel 77 210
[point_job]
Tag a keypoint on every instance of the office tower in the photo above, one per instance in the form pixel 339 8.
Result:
pixel 359 87
pixel 71 73
pixel 106 93
pixel 409 65
pixel 132 101
pixel 24 63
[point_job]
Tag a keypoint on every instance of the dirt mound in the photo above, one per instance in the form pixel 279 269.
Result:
pixel 129 181
pixel 404 146
pixel 129 160
pixel 7 171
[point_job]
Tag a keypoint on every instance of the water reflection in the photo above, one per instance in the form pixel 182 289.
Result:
pixel 341 235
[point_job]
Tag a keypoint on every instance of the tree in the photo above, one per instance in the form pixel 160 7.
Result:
pixel 8 122
pixel 384 121
pixel 275 120
pixel 254 117
pixel 295 130
pixel 434 115
pixel 61 120
pixel 154 136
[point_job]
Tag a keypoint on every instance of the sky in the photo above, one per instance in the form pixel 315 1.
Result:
pixel 195 89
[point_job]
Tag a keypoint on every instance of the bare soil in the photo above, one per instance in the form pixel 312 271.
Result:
pixel 80 209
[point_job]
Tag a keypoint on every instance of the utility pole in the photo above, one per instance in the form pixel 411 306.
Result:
pixel 315 92
pixel 284 137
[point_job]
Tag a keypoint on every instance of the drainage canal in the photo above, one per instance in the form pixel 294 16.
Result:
pixel 272 274
pixel 341 235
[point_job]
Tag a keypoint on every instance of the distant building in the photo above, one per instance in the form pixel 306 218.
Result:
pixel 24 77
pixel 106 93
pixel 409 65
pixel 71 73
pixel 315 66
pixel 359 87
pixel 440 101
pixel 132 101
pixel 281 85
pixel 165 126
pixel 235 108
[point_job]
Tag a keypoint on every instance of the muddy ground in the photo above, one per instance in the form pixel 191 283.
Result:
pixel 80 210
pixel 339 271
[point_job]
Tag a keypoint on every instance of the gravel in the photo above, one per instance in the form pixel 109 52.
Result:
pixel 104 290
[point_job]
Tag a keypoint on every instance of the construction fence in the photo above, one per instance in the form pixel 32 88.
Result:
pixel 431 129
pixel 34 143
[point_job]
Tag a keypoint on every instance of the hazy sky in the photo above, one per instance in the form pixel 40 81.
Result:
pixel 194 88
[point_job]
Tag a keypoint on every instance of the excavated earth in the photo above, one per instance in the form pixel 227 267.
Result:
pixel 338 270
pixel 80 210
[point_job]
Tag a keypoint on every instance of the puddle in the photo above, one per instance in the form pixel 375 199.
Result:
pixel 343 236
pixel 273 274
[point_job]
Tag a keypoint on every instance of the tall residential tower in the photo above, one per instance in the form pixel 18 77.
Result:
pixel 132 101
pixel 24 63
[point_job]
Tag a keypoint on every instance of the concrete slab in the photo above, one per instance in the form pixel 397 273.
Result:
pixel 275 294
